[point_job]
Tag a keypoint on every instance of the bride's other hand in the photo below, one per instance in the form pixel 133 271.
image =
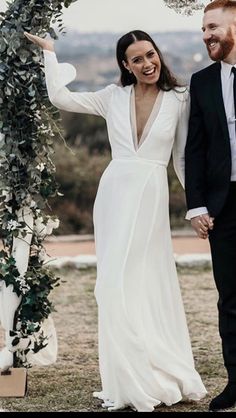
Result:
pixel 43 43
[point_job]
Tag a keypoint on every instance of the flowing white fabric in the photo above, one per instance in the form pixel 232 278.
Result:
pixel 9 301
pixel 145 354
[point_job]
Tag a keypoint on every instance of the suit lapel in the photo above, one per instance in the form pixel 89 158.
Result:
pixel 218 97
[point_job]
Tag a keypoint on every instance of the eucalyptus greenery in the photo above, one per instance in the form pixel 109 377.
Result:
pixel 187 7
pixel 27 130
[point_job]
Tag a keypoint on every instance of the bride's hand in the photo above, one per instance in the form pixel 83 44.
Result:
pixel 41 42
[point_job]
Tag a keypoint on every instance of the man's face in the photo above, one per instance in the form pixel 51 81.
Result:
pixel 219 34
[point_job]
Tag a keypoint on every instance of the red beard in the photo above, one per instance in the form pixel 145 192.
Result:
pixel 224 47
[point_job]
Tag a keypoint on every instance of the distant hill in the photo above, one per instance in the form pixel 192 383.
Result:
pixel 93 55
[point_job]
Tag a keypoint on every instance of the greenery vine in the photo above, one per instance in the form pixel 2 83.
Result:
pixel 26 168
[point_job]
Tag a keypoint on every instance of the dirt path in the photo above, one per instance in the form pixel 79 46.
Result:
pixel 68 385
pixel 181 245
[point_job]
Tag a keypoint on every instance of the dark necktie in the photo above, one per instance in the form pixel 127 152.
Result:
pixel 234 73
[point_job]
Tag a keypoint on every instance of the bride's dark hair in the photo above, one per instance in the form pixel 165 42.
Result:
pixel 167 80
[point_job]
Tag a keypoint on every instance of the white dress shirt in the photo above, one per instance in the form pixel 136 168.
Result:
pixel 227 80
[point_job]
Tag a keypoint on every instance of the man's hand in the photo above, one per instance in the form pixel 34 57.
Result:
pixel 201 224
pixel 43 43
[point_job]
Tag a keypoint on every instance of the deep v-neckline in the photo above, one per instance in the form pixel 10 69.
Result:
pixel 150 121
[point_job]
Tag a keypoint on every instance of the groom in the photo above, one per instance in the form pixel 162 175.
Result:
pixel 210 157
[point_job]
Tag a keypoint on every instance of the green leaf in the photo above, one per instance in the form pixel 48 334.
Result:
pixel 15 341
pixel 27 121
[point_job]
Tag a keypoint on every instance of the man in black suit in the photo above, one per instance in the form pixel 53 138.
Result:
pixel 210 177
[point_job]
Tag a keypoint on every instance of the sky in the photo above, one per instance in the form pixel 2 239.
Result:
pixel 125 15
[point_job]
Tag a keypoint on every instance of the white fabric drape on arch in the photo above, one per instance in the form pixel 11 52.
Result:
pixel 9 302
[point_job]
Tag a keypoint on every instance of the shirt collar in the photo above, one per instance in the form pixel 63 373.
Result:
pixel 226 69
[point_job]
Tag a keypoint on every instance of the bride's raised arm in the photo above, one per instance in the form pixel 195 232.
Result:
pixel 58 76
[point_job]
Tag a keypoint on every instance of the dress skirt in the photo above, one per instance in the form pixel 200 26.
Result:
pixel 145 354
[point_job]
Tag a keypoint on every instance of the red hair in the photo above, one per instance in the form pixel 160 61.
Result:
pixel 220 4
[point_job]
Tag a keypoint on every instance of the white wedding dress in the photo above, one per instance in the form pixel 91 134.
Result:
pixel 145 354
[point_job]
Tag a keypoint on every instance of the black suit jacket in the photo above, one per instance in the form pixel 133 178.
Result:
pixel 207 151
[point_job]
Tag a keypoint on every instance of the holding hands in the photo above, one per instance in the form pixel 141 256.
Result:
pixel 43 43
pixel 202 224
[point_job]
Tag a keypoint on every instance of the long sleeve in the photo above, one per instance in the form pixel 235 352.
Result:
pixel 181 136
pixel 59 75
pixel 192 213
pixel 195 154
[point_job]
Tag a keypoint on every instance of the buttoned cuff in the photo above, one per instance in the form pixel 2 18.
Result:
pixel 192 213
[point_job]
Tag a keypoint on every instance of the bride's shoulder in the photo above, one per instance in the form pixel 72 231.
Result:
pixel 181 93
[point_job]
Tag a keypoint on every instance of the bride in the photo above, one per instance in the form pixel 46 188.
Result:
pixel 145 354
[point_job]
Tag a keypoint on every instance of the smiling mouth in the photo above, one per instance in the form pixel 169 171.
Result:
pixel 212 44
pixel 149 72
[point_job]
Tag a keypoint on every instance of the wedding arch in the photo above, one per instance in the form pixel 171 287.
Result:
pixel 27 125
pixel 27 121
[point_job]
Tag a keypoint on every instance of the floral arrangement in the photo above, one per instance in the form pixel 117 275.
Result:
pixel 27 125
pixel 185 6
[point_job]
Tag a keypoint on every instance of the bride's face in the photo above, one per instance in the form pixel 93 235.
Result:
pixel 143 61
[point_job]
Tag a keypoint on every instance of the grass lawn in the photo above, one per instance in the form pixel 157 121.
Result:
pixel 68 385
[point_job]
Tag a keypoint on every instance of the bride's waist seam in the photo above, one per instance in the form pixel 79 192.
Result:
pixel 141 160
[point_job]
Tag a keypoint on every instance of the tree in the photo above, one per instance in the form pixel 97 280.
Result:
pixel 185 6
pixel 26 177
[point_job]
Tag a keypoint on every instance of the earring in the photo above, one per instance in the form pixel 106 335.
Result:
pixel 130 72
